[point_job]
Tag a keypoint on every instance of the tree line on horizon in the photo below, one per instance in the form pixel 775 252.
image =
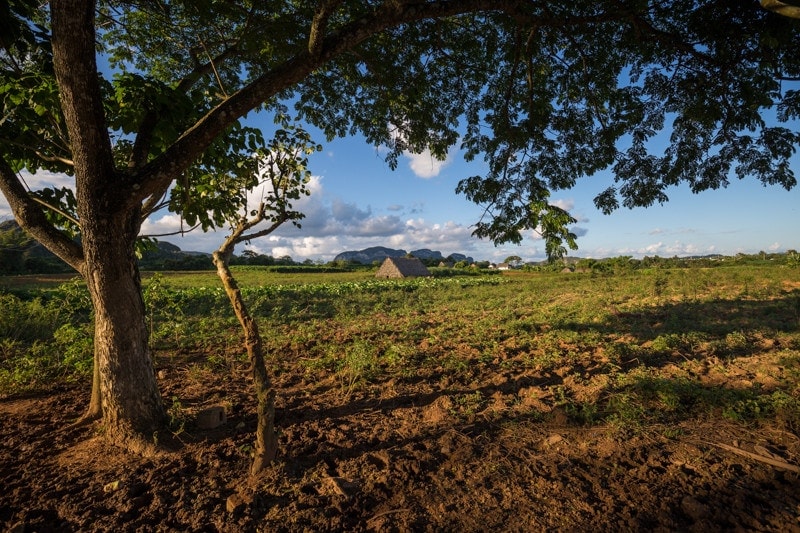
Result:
pixel 20 254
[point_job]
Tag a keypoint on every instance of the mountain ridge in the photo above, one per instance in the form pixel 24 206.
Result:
pixel 372 254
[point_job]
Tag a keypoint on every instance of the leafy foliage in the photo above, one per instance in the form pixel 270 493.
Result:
pixel 45 338
pixel 574 88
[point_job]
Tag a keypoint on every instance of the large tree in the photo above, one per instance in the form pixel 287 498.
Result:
pixel 546 92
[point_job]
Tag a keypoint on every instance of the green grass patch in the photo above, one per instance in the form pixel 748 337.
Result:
pixel 627 348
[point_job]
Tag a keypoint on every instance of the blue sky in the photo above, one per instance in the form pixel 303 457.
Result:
pixel 357 201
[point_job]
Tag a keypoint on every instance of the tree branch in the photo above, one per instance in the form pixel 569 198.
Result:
pixel 29 215
pixel 158 174
pixel 41 155
pixel 266 231
pixel 320 25
pixel 144 137
pixel 171 233
pixel 141 146
pixel 153 204
pixel 75 66
pixel 644 26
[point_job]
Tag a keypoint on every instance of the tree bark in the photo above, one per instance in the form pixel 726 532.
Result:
pixel 128 393
pixel 266 448
pixel 124 389
pixel 95 409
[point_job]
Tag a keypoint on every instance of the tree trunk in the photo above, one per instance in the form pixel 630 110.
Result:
pixel 125 382
pixel 266 448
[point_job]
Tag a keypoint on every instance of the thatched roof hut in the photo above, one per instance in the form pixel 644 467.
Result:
pixel 402 267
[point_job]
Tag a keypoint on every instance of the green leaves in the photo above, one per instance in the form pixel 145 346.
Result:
pixel 658 94
pixel 32 133
pixel 60 208
pixel 518 212
pixel 585 105
pixel 243 170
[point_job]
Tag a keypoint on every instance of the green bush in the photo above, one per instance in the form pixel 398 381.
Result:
pixel 25 321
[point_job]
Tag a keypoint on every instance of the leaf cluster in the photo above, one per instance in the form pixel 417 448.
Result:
pixel 662 93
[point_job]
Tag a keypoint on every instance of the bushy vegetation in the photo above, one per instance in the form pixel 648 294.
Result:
pixel 45 338
pixel 627 349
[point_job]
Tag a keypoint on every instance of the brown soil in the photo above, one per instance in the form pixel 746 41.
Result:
pixel 410 454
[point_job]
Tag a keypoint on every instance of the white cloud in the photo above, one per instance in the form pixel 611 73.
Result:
pixel 333 225
pixel 425 165
pixel 579 231
pixel 168 223
pixel 653 249
pixel 414 234
pixel 348 212
pixel 669 231
pixel 44 178
pixel 379 226
pixel 565 204
pixel 660 248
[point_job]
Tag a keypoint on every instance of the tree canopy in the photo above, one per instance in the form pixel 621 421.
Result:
pixel 142 102
pixel 573 88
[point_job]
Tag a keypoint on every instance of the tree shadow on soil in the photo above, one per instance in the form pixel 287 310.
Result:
pixel 474 454
pixel 640 485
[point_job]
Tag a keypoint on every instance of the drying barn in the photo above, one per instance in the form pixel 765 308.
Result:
pixel 402 267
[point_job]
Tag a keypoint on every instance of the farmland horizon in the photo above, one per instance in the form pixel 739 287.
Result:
pixel 175 250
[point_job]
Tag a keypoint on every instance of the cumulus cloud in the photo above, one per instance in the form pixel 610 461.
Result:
pixel 565 204
pixel 659 248
pixel 676 248
pixel 159 225
pixel 44 178
pixel 653 249
pixel 333 225
pixel 425 165
pixel 378 226
pixel 348 213
pixel 412 234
